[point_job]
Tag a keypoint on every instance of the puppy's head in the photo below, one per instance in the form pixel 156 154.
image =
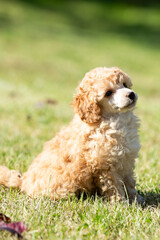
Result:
pixel 104 92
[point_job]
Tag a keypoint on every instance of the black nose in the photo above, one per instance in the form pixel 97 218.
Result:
pixel 132 95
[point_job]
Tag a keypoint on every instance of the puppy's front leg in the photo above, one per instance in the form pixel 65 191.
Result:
pixel 111 186
pixel 130 183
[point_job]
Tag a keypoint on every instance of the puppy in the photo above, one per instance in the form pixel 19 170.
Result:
pixel 96 152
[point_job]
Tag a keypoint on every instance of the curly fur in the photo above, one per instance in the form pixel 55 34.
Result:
pixel 96 152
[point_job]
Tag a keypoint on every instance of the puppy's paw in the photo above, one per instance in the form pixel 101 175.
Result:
pixel 140 200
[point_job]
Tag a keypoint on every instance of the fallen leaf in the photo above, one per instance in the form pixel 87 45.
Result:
pixel 13 94
pixel 29 117
pixel 51 101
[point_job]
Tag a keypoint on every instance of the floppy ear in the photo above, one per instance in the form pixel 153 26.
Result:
pixel 85 105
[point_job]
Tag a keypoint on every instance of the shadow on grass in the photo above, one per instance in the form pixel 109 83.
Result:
pixel 5 21
pixel 99 18
pixel 151 198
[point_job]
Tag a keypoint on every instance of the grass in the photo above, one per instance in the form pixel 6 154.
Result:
pixel 44 53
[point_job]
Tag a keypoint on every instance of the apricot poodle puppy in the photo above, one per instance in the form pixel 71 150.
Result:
pixel 96 152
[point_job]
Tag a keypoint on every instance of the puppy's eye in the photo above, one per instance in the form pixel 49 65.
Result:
pixel 125 85
pixel 108 93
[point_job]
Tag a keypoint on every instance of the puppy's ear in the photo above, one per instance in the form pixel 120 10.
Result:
pixel 85 105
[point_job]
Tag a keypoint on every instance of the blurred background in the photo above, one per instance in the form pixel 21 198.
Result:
pixel 45 49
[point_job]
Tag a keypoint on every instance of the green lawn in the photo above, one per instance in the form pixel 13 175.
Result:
pixel 44 52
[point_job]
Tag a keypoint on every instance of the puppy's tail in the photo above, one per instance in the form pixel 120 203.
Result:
pixel 10 178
